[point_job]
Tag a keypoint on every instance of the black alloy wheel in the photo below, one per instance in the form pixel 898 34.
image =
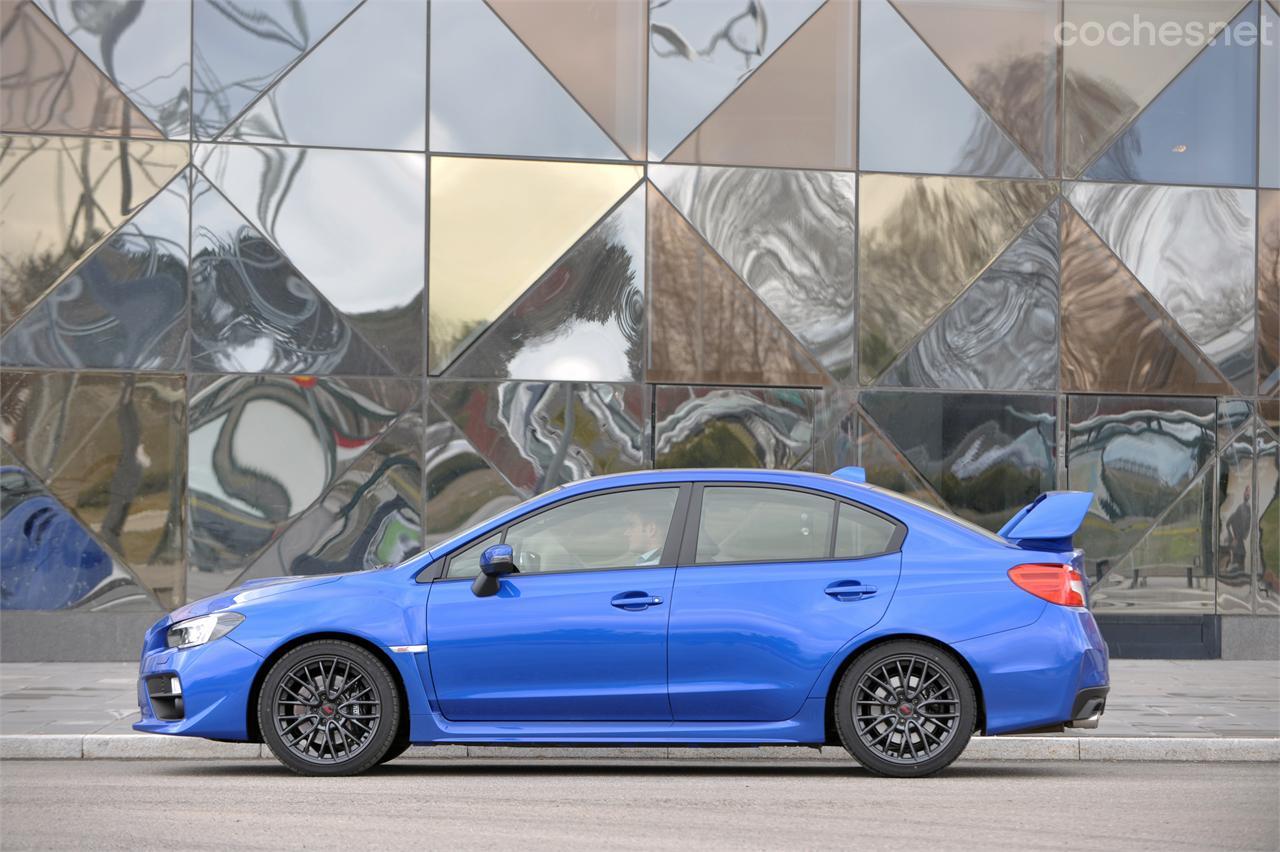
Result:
pixel 905 709
pixel 329 708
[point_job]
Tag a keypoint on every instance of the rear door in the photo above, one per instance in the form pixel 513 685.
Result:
pixel 772 582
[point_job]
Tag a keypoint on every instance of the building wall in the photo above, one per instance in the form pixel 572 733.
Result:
pixel 302 289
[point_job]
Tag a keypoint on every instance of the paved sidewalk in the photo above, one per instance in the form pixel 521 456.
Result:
pixel 1149 698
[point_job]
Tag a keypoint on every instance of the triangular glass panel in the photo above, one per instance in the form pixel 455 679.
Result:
pixel 1115 338
pixel 1006 55
pixel 1268 290
pixel 706 326
pixel 252 311
pixel 1107 81
pixel 1269 101
pixel 124 307
pixel 144 47
pixel 1159 233
pixel 72 194
pixel 700 52
pixel 789 235
pixel 490 95
pixel 51 87
pixel 887 468
pixel 1002 333
pixel 916 116
pixel 496 226
pixel 921 241
pixel 1199 130
pixel 373 73
pixel 835 425
pixel 242 48
pixel 697 427
pixel 49 560
pixel 1170 569
pixel 583 320
pixel 1235 503
pixel 798 110
pixel 370 517
pixel 352 222
pixel 986 455
pixel 597 51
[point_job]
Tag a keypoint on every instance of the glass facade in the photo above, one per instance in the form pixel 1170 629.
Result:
pixel 301 287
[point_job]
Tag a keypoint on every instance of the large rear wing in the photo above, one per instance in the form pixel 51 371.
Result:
pixel 1049 521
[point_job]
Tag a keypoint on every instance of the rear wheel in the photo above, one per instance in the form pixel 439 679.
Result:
pixel 329 708
pixel 905 709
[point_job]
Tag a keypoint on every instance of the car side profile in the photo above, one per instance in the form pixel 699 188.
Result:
pixel 663 608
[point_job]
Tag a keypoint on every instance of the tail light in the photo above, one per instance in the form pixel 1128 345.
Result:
pixel 1058 584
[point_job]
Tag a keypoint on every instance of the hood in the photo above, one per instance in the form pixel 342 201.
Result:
pixel 251 591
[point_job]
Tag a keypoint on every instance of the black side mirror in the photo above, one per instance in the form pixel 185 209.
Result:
pixel 496 561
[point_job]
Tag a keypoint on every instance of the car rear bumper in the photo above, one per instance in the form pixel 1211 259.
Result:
pixel 1089 706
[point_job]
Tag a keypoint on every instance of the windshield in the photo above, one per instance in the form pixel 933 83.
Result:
pixel 934 510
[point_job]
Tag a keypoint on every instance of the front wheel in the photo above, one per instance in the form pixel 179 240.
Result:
pixel 329 708
pixel 905 709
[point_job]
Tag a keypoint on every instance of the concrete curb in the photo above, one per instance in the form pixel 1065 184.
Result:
pixel 153 747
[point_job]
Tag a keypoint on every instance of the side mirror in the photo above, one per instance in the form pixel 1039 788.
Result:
pixel 496 561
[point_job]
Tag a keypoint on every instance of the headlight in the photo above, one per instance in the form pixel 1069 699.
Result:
pixel 198 631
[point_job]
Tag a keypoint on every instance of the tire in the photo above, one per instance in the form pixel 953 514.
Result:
pixel 329 708
pixel 398 747
pixel 889 725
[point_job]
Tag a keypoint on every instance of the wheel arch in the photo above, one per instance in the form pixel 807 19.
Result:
pixel 251 710
pixel 831 737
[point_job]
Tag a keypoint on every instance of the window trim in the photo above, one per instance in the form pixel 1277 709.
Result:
pixel 693 522
pixel 670 547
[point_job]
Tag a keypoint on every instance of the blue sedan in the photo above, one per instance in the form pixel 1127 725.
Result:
pixel 664 608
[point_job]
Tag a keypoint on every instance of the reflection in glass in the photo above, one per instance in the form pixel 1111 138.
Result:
pixel 60 196
pixel 1114 338
pixel 1002 332
pixel 490 95
pixel 48 559
pixel 915 115
pixel 787 234
pixel 920 241
pixel 50 87
pixel 1108 81
pixel 597 51
pixel 370 517
pixel 888 468
pixel 241 48
pixel 252 310
pixel 733 427
pixel 496 226
pixel 1193 250
pixel 800 110
pixel 109 447
pixel 373 68
pixel 1136 455
pixel 763 525
pixel 263 449
pixel 462 489
pixel 583 320
pixel 1236 530
pixel 143 46
pixel 623 529
pixel 1269 100
pixel 352 222
pixel 1267 502
pixel 834 429
pixel 1006 55
pixel 1201 128
pixel 986 455
pixel 125 307
pixel 1269 289
pixel 705 323
pixel 700 52
pixel 538 435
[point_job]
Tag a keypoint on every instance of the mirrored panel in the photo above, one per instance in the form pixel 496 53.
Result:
pixel 124 307
pixel 462 488
pixel 986 455
pixel 352 222
pixel 1269 100
pixel 60 197
pixel 733 427
pixel 1138 456
pixel 1237 532
pixel 51 87
pixel 144 46
pixel 1269 290
pixel 538 435
pixel 1267 503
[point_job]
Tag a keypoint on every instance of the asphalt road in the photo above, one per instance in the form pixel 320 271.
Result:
pixel 422 805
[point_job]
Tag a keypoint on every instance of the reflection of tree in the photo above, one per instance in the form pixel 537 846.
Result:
pixel 1093 111
pixel 1268 287
pixel 744 33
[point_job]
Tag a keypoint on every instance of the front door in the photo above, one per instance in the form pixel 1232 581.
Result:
pixel 580 632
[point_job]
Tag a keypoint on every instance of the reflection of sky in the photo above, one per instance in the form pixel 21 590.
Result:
pixel 489 95
pixel 682 91
pixel 579 351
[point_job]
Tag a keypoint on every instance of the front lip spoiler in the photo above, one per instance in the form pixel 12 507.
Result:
pixel 1088 707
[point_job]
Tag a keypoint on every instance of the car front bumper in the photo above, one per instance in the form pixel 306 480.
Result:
pixel 215 681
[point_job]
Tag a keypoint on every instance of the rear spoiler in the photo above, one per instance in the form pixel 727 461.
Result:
pixel 1049 521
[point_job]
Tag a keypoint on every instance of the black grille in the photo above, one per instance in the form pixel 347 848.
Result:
pixel 166 702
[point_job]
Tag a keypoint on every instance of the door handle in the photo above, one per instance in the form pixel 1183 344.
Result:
pixel 635 601
pixel 849 590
